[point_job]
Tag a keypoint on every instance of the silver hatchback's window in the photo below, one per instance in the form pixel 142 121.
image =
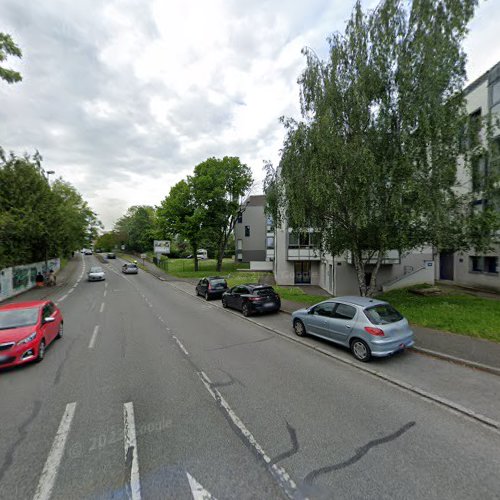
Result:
pixel 383 314
pixel 344 311
pixel 325 309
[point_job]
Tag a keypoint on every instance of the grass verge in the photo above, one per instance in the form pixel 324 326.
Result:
pixel 453 311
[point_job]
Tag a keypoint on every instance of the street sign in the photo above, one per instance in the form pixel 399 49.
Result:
pixel 161 247
pixel 143 256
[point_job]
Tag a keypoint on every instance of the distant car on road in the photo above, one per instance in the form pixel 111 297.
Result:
pixel 368 327
pixel 111 255
pixel 252 298
pixel 96 274
pixel 211 287
pixel 130 268
pixel 87 251
pixel 26 329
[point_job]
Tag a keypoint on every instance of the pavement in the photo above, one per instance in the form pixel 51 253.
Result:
pixel 474 352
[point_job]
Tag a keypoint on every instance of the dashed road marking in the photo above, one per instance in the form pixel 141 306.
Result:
pixel 51 467
pixel 94 336
pixel 131 456
pixel 102 307
pixel 282 477
pixel 197 490
pixel 181 345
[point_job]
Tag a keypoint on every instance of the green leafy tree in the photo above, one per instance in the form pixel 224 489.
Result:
pixel 218 187
pixel 9 48
pixel 108 241
pixel 137 228
pixel 372 165
pixel 179 215
pixel 38 221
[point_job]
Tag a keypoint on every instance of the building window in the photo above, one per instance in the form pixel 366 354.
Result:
pixel 269 223
pixel 495 97
pixel 302 239
pixel 484 264
pixel 478 173
pixel 239 220
pixel 247 231
pixel 270 242
pixel 239 244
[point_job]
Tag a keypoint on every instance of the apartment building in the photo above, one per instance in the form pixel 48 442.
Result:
pixel 253 232
pixel 472 268
pixel 298 261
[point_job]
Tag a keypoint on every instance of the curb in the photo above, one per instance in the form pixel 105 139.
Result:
pixel 447 357
pixel 478 417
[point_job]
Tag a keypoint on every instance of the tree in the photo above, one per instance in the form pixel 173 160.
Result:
pixel 38 221
pixel 218 187
pixel 137 228
pixel 9 48
pixel 372 165
pixel 108 241
pixel 180 215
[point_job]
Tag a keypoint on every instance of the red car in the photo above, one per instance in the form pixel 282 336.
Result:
pixel 26 329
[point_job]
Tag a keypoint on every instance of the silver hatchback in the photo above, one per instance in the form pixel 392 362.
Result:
pixel 368 327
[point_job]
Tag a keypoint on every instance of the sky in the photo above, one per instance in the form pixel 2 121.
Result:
pixel 123 98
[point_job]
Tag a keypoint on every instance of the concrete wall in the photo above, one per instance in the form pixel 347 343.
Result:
pixel 463 274
pixel 261 266
pixel 345 281
pixel 15 280
pixel 418 277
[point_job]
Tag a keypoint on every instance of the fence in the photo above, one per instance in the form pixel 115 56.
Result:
pixel 17 279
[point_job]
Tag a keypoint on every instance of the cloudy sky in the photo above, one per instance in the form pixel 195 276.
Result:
pixel 124 97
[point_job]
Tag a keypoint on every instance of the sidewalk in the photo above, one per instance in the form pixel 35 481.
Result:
pixel 476 353
pixel 451 346
pixel 63 276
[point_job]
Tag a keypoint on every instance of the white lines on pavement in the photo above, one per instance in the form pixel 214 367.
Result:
pixel 94 336
pixel 280 475
pixel 105 293
pixel 102 307
pixel 181 345
pixel 131 456
pixel 105 285
pixel 49 473
pixel 64 297
pixel 197 490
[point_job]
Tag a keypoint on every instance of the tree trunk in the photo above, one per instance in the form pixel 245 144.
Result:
pixel 372 288
pixel 194 248
pixel 220 254
pixel 359 266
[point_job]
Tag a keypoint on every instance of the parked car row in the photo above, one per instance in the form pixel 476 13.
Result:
pixel 248 298
pixel 367 326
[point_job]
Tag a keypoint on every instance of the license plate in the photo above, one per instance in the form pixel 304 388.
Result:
pixel 269 304
pixel 3 358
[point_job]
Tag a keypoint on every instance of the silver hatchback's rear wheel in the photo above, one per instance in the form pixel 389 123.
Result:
pixel 299 328
pixel 360 350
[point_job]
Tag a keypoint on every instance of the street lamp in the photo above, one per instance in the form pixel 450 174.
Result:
pixel 49 173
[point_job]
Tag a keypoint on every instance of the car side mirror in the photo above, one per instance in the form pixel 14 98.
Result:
pixel 310 310
pixel 49 319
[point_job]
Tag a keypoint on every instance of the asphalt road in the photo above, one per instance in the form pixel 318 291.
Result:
pixel 153 393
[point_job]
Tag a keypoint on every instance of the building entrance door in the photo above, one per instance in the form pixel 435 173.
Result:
pixel 302 273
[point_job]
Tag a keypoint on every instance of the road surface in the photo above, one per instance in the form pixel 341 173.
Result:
pixel 154 393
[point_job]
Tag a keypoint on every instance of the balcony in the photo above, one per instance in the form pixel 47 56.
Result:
pixel 391 257
pixel 305 253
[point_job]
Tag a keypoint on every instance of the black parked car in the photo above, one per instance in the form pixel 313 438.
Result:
pixel 111 255
pixel 252 298
pixel 211 287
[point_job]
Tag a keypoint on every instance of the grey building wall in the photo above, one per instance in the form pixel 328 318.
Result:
pixel 253 216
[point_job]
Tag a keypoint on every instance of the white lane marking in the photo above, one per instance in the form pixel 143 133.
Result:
pixel 105 293
pixel 131 455
pixel 105 285
pixel 181 345
pixel 94 336
pixel 197 490
pixel 282 477
pixel 102 307
pixel 49 473
pixel 64 297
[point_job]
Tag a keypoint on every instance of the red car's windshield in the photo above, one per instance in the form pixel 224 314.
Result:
pixel 17 318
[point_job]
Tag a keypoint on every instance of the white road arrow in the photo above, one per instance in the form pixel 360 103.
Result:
pixel 197 490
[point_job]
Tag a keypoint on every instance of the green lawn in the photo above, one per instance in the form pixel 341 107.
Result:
pixel 184 268
pixel 453 311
